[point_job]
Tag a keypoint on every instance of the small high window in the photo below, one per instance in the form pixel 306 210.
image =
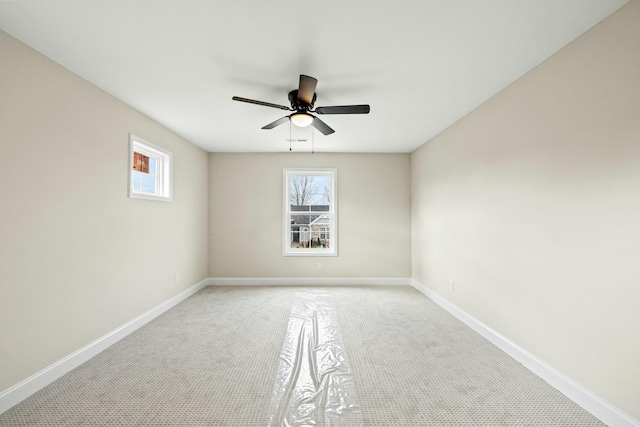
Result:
pixel 310 212
pixel 150 171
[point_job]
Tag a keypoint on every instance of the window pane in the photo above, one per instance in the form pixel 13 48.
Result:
pixel 310 190
pixel 148 183
pixel 300 231
pixel 140 162
pixel 309 231
pixel 152 166
pixel 137 180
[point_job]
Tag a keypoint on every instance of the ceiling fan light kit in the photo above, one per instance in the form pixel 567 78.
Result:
pixel 302 101
pixel 301 119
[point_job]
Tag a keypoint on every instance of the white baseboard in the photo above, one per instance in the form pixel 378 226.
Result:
pixel 591 402
pixel 16 394
pixel 309 281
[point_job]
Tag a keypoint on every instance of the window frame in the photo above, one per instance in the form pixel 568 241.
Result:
pixel 164 170
pixel 287 250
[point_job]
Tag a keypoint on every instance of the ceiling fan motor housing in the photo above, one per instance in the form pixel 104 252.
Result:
pixel 299 105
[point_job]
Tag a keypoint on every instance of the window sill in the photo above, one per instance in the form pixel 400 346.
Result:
pixel 150 197
pixel 309 252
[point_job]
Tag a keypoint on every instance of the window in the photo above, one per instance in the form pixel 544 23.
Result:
pixel 324 233
pixel 310 212
pixel 150 170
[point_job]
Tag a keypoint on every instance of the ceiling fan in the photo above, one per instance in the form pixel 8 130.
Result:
pixel 302 101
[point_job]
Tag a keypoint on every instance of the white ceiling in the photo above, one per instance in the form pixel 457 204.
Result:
pixel 420 64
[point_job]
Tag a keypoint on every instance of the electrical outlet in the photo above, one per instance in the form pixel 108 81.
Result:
pixel 319 266
pixel 177 277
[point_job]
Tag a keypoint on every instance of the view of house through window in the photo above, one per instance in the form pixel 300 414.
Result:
pixel 310 212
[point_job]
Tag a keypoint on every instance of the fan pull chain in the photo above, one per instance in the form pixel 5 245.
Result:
pixel 313 150
pixel 289 135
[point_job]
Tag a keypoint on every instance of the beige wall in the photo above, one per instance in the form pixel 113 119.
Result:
pixel 78 258
pixel 245 221
pixel 531 204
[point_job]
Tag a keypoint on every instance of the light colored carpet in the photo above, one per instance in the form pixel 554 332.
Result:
pixel 213 361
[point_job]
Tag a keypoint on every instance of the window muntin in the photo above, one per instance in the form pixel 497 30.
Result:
pixel 150 171
pixel 310 212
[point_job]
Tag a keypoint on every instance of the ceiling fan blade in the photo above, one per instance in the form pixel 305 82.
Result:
pixel 266 104
pixel 344 109
pixel 322 126
pixel 307 89
pixel 276 123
